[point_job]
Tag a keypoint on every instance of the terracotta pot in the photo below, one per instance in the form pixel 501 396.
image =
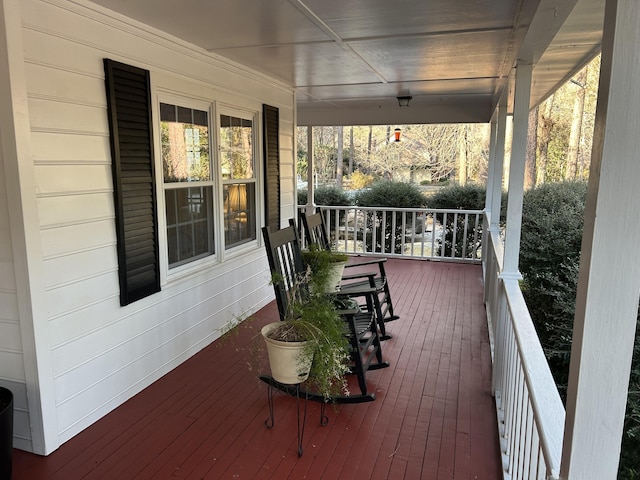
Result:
pixel 287 360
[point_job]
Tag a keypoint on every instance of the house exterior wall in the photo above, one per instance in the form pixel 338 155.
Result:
pixel 12 374
pixel 100 353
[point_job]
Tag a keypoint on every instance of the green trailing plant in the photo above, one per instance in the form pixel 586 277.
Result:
pixel 321 261
pixel 314 318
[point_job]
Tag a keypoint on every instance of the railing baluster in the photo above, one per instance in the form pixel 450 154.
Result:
pixel 464 238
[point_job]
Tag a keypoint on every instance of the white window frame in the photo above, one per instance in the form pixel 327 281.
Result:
pixel 214 109
pixel 254 116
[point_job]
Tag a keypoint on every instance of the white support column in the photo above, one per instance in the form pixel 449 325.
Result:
pixel 15 143
pixel 310 184
pixel 609 280
pixel 516 170
pixel 498 167
pixel 488 201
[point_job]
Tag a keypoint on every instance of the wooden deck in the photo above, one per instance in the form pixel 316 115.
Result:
pixel 433 417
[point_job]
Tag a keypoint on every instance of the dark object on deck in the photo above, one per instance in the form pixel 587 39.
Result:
pixel 6 432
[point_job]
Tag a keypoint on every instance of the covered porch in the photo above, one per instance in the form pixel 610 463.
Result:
pixel 433 417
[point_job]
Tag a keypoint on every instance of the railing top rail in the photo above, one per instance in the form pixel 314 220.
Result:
pixel 547 406
pixel 398 209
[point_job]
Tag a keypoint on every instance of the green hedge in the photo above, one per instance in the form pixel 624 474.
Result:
pixel 552 225
pixel 388 194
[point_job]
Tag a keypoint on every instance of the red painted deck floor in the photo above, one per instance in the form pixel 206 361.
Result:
pixel 433 417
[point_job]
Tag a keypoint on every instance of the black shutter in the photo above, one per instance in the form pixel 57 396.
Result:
pixel 129 110
pixel 271 127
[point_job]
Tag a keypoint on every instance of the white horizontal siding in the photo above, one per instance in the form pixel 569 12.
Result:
pixel 12 374
pixel 103 353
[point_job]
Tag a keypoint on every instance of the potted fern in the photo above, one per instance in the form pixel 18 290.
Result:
pixel 309 342
pixel 327 267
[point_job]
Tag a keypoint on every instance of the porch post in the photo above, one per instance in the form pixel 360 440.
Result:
pixel 310 185
pixel 609 279
pixel 516 170
pixel 497 158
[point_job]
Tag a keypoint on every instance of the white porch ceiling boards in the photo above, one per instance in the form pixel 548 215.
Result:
pixel 349 59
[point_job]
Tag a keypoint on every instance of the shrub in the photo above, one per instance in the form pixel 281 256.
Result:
pixel 552 223
pixel 332 196
pixel 302 197
pixel 388 194
pixel 467 197
pixel 361 180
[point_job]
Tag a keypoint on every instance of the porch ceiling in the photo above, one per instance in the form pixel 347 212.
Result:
pixel 348 60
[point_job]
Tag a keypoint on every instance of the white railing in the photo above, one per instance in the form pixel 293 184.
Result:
pixel 530 412
pixel 436 234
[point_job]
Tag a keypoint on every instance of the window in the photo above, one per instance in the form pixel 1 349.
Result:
pixel 188 186
pixel 239 182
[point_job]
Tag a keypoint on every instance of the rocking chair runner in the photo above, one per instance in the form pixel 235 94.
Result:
pixel 285 260
pixel 316 232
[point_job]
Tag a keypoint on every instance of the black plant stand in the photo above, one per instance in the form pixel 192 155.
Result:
pixel 6 432
pixel 269 422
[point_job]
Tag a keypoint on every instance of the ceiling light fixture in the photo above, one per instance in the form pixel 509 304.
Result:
pixel 404 100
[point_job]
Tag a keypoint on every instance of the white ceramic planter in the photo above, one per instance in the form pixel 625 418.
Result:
pixel 287 360
pixel 335 277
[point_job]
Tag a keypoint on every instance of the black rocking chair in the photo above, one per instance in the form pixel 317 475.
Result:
pixel 316 233
pixel 285 261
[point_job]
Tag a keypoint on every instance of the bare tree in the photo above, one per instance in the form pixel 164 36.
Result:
pixel 462 155
pixel 532 143
pixel 351 152
pixel 339 160
pixel 546 126
pixel 576 124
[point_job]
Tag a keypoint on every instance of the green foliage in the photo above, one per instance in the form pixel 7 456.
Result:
pixel 552 224
pixel 467 197
pixel 320 261
pixel 315 319
pixel 463 197
pixel 332 196
pixel 391 194
pixel 388 194
pixel 630 456
pixel 302 196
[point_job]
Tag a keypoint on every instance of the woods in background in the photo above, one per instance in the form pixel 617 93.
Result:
pixel 560 139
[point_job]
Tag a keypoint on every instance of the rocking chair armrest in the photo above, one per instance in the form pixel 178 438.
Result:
pixel 360 291
pixel 366 262
pixel 348 312
pixel 354 276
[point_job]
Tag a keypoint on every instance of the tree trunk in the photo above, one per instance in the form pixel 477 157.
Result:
pixel 462 155
pixel 576 126
pixel 340 160
pixel 530 179
pixel 546 126
pixel 369 148
pixel 351 152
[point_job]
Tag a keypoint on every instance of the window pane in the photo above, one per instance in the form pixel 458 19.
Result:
pixel 236 149
pixel 239 213
pixel 185 144
pixel 189 224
